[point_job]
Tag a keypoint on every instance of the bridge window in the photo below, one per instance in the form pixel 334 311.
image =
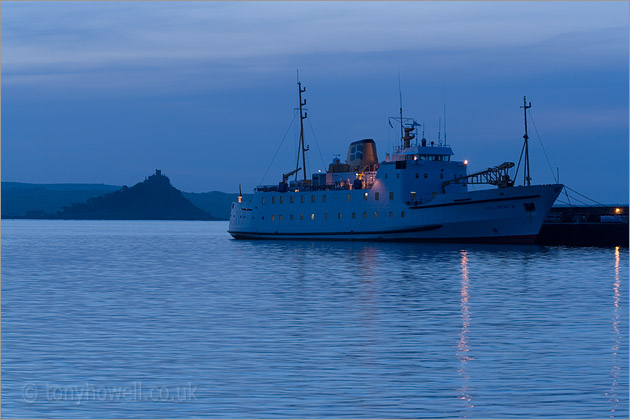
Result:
pixel 376 195
pixel 354 215
pixel 402 214
pixel 365 195
pixel 391 195
pixel 273 200
pixel 312 216
pixel 326 216
pixel 301 199
pixel 273 217
pixel 391 214
pixel 339 215
pixel 290 217
pixel 291 199
pixel 348 197
pixel 301 217
pixel 413 195
pixel 323 198
pixel 281 199
pixel 365 215
pixel 280 217
pixel 313 198
pixel 263 200
pixel 376 215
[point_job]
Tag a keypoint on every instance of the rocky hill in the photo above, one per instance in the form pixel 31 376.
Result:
pixel 153 199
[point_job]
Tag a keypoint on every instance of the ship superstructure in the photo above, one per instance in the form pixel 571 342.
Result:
pixel 419 192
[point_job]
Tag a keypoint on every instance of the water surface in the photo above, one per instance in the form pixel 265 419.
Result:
pixel 124 319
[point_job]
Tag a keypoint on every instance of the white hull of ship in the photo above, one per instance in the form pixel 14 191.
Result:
pixel 506 215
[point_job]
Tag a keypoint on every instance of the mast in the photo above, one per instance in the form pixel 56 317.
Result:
pixel 527 176
pixel 302 118
pixel 400 98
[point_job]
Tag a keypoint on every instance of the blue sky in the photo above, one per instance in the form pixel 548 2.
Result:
pixel 108 91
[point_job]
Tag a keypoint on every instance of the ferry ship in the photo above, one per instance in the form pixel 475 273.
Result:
pixel 418 193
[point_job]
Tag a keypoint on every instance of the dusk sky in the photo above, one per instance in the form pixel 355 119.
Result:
pixel 106 92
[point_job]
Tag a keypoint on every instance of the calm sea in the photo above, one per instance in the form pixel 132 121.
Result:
pixel 136 319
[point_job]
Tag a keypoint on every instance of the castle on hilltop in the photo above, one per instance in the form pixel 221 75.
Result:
pixel 158 179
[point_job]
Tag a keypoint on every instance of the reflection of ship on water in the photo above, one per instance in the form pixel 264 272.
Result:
pixel 462 344
pixel 418 193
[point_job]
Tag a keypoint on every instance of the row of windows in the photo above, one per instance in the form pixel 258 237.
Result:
pixel 377 196
pixel 354 216
pixel 417 175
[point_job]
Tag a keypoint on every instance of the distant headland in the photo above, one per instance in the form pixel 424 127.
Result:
pixel 152 199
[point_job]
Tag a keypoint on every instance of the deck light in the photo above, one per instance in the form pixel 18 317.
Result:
pixel 617 210
pixel 466 162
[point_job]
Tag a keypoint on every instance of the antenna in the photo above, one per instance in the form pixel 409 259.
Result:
pixel 527 176
pixel 445 117
pixel 439 128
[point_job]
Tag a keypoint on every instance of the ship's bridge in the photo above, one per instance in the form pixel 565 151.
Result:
pixel 430 153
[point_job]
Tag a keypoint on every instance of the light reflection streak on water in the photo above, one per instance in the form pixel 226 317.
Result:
pixel 462 345
pixel 613 399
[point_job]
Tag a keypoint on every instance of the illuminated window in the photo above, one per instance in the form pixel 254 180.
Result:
pixel 376 195
pixel 263 200
pixel 326 216
pixel 391 195
pixel 376 215
pixel 301 217
pixel 413 195
pixel 402 214
pixel 348 197
pixel 354 215
pixel 273 200
pixel 281 199
pixel 301 199
pixel 313 198
pixel 280 217
pixel 273 217
pixel 365 196
pixel 365 215
pixel 391 214
pixel 339 215
pixel 312 216
pixel 291 199
pixel 323 198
